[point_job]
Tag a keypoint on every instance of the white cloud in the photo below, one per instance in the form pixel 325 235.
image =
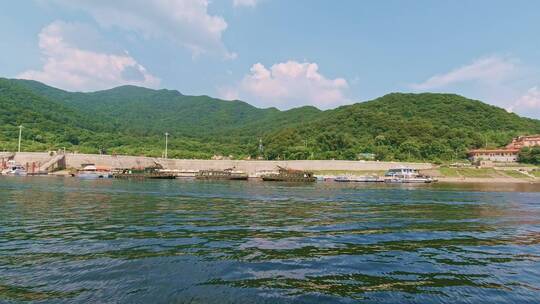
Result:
pixel 185 22
pixel 228 93
pixel 250 3
pixel 71 67
pixel 487 70
pixel 529 101
pixel 288 84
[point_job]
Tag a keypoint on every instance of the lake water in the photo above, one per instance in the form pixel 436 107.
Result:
pixel 63 240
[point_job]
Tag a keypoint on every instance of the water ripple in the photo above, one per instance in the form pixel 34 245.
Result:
pixel 65 241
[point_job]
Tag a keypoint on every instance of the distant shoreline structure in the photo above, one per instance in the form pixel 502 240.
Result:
pixel 252 167
pixel 509 153
pixel 325 169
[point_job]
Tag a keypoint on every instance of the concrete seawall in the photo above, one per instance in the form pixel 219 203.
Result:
pixel 249 166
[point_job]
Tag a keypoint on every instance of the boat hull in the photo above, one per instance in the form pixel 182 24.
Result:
pixel 144 176
pixel 222 177
pixel 409 181
pixel 358 180
pixel 93 175
pixel 15 174
pixel 227 174
pixel 289 179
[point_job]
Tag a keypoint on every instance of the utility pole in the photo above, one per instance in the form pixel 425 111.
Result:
pixel 261 148
pixel 20 135
pixel 166 142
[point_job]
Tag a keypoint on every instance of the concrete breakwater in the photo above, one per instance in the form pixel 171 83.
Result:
pixel 252 167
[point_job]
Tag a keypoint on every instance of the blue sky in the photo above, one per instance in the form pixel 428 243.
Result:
pixel 281 53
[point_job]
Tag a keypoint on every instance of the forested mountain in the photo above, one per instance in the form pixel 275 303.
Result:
pixel 132 120
pixel 44 120
pixel 403 126
pixel 148 112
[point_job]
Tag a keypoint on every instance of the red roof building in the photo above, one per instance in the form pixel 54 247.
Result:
pixel 496 155
pixel 508 154
pixel 524 141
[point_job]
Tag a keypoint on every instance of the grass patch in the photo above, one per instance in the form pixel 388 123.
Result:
pixel 515 174
pixel 469 172
pixel 478 172
pixel 510 165
pixel 449 172
pixel 536 173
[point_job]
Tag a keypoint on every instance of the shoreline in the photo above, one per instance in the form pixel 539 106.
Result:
pixel 252 167
pixel 60 164
pixel 328 179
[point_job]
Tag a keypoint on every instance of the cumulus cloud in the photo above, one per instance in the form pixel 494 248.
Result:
pixel 288 84
pixel 69 66
pixel 487 70
pixel 228 93
pixel 529 101
pixel 185 22
pixel 250 3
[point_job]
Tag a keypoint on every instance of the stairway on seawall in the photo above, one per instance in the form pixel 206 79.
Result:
pixel 58 161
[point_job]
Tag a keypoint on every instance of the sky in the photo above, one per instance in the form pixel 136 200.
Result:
pixel 279 53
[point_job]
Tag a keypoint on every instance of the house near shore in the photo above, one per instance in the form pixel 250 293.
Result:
pixel 502 155
pixel 508 154
pixel 524 141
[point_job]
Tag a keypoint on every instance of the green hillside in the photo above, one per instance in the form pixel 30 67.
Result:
pixel 44 120
pixel 148 112
pixel 403 127
pixel 51 123
pixel 132 120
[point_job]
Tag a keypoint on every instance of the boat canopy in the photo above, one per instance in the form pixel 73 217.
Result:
pixel 401 171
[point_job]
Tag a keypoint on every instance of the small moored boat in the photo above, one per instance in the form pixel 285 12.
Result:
pixel 227 174
pixel 406 175
pixel 155 172
pixel 290 175
pixel 14 169
pixel 91 171
pixel 343 179
pixel 358 179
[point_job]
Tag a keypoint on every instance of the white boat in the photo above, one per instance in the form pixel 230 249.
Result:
pixel 369 179
pixel 90 171
pixel 406 175
pixel 14 169
pixel 343 179
pixel 358 179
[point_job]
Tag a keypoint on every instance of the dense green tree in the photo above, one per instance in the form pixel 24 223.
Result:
pixel 530 155
pixel 410 148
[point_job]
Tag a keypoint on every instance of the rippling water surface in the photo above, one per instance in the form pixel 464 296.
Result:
pixel 112 241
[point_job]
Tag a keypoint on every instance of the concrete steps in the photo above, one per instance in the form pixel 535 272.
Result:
pixel 56 162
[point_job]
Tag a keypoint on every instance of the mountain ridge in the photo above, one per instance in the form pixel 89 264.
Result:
pixel 131 119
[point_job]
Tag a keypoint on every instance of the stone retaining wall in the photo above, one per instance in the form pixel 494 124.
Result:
pixel 30 157
pixel 249 166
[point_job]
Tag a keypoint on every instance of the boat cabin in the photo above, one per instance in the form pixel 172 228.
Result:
pixel 405 172
pixel 221 174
